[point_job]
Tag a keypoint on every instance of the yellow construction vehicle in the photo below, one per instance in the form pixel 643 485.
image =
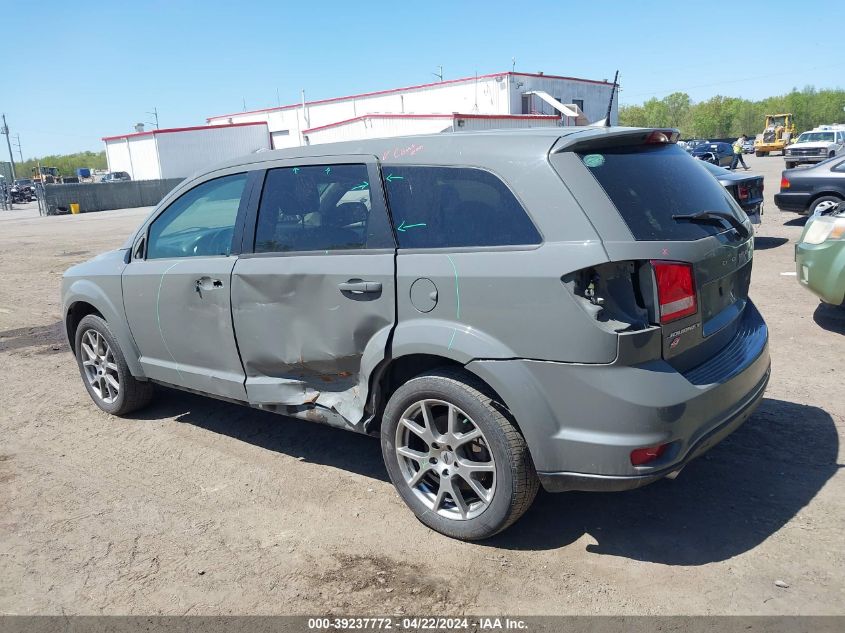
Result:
pixel 778 133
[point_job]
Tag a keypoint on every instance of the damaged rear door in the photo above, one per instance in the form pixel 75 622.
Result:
pixel 313 294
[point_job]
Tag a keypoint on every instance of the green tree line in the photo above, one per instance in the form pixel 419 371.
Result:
pixel 722 117
pixel 65 163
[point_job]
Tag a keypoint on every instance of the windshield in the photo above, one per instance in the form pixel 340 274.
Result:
pixel 707 147
pixel 649 184
pixel 23 181
pixel 816 137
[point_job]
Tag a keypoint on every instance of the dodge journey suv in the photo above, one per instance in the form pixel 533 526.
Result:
pixel 561 307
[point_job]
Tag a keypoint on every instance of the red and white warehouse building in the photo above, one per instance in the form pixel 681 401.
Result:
pixel 499 100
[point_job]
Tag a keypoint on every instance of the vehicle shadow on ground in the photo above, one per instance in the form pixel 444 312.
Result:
pixel 831 318
pixel 308 441
pixel 801 220
pixel 723 504
pixel 764 243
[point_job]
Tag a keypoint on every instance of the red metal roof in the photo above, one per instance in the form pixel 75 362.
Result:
pixel 454 115
pixel 416 87
pixel 170 130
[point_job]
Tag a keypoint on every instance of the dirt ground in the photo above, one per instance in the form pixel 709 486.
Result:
pixel 196 506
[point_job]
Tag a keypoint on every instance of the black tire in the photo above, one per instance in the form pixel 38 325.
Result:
pixel 132 394
pixel 516 481
pixel 759 154
pixel 791 165
pixel 823 200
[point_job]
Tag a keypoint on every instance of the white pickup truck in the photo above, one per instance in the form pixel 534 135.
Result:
pixel 819 144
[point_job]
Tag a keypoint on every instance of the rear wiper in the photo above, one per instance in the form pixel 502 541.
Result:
pixel 710 216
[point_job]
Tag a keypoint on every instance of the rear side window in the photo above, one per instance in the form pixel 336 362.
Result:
pixel 650 184
pixel 441 207
pixel 315 208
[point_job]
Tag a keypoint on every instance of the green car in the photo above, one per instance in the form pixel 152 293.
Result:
pixel 820 256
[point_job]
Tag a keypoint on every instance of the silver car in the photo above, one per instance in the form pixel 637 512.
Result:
pixel 560 307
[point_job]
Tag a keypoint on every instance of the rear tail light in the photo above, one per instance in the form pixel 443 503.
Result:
pixel 784 183
pixel 642 456
pixel 743 192
pixel 675 290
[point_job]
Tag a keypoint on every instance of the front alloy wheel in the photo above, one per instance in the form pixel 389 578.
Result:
pixel 99 366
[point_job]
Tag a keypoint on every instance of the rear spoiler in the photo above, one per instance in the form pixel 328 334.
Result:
pixel 602 138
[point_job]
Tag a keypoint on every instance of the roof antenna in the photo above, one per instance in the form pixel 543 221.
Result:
pixel 610 103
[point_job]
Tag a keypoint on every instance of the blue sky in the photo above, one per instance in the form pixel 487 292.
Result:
pixel 115 61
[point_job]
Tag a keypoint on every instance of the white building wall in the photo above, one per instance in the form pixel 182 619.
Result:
pixel 117 155
pixel 180 154
pixel 388 127
pixel 499 94
pixel 144 158
pixel 136 155
pixel 379 128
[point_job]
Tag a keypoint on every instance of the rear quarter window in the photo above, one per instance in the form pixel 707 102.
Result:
pixel 442 207
pixel 650 184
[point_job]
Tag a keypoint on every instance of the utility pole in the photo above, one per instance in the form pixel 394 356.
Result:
pixel 18 144
pixel 439 75
pixel 155 114
pixel 5 130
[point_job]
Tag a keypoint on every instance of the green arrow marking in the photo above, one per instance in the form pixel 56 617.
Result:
pixel 391 178
pixel 360 187
pixel 404 227
pixel 328 170
pixel 296 170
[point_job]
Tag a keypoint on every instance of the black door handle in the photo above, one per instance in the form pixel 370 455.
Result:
pixel 357 285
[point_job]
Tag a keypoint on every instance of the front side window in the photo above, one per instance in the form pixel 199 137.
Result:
pixel 200 222
pixel 314 208
pixel 441 207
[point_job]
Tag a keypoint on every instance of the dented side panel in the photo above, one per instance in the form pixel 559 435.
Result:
pixel 301 335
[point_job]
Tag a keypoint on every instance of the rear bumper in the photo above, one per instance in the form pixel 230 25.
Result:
pixel 581 422
pixel 566 481
pixel 795 202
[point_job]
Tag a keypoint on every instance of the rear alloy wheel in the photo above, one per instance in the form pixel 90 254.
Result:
pixel 104 371
pixel 455 459
pixel 824 205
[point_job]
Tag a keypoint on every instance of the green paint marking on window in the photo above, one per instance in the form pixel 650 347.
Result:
pixel 361 187
pixel 404 227
pixel 296 170
pixel 391 178
pixel 328 170
pixel 593 160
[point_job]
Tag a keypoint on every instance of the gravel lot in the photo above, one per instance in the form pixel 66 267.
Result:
pixel 196 506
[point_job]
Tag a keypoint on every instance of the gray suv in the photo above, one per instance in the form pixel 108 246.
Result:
pixel 557 307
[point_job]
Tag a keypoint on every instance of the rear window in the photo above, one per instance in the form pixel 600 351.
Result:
pixel 442 207
pixel 650 184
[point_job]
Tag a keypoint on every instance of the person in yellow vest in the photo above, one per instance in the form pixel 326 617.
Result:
pixel 738 143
